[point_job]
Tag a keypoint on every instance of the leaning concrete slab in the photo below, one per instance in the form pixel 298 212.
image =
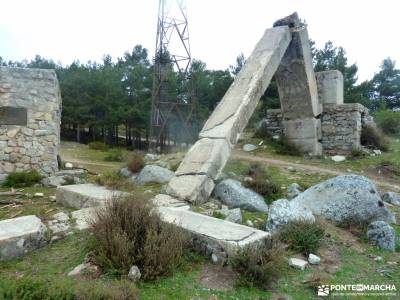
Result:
pixel 206 157
pixel 21 235
pixel 216 233
pixel 330 87
pixel 85 195
pixel 235 109
pixel 204 162
pixel 295 76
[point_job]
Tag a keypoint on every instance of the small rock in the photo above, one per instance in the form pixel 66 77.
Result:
pixel 383 234
pixel 378 258
pixel 392 198
pixel 126 172
pixel 218 257
pixel 134 274
pixel 249 147
pixel 83 268
pixel 297 263
pixel 260 143
pixel 249 223
pixel 293 190
pixel 275 137
pixel 68 165
pixel 338 158
pixel 38 195
pixel 291 169
pixel 232 215
pixel 314 259
pixel 55 238
pixel 61 217
pixel 214 259
pixel 53 198
pixel 377 152
pixel 153 174
pixel 151 157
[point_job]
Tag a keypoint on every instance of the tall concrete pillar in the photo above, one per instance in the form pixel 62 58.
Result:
pixel 330 87
pixel 297 87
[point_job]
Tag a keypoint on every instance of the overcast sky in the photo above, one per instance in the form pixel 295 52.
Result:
pixel 66 30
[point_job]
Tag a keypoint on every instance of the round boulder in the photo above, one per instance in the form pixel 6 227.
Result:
pixel 153 174
pixel 347 197
pixel 383 234
pixel 232 193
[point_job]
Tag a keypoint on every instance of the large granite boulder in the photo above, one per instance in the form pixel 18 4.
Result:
pixel 232 193
pixel 21 235
pixel 153 174
pixel 383 234
pixel 343 198
pixel 283 211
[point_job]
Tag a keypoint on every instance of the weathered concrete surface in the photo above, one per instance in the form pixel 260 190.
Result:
pixel 235 109
pixel 85 195
pixel 192 188
pixel 21 235
pixel 166 200
pixel 206 157
pixel 309 128
pixel 83 217
pixel 295 77
pixel 330 87
pixel 227 235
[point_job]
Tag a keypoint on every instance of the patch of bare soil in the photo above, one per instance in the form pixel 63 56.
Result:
pixel 218 278
pixel 385 170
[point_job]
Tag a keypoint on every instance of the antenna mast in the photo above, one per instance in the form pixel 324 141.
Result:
pixel 172 96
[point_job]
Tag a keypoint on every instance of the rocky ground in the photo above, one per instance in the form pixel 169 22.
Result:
pixel 346 256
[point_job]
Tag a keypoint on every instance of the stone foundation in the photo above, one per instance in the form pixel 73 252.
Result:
pixel 30 103
pixel 341 126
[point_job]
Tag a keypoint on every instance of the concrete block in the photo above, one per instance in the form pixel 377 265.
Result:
pixel 330 87
pixel 229 236
pixel 21 235
pixel 168 201
pixel 192 188
pixel 302 128
pixel 83 217
pixel 205 157
pixel 238 104
pixel 85 195
pixel 295 78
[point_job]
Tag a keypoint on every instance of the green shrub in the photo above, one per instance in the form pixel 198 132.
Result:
pixel 98 146
pixel 22 179
pixel 114 155
pixel 218 215
pixel 33 288
pixel 127 231
pixel 261 182
pixel 374 138
pixel 286 147
pixel 388 121
pixel 111 179
pixel 258 266
pixel 357 153
pixel 135 162
pixel 302 236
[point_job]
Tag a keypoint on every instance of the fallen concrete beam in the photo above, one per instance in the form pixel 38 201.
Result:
pixel 85 195
pixel 21 235
pixel 232 114
pixel 217 234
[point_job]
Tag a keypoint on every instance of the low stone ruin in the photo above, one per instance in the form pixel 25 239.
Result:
pixel 30 116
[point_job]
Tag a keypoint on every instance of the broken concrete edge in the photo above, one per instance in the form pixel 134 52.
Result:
pixel 21 235
pixel 211 230
pixel 86 195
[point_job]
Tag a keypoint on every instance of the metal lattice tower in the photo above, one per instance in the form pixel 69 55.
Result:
pixel 172 100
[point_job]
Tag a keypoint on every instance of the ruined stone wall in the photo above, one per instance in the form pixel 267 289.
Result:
pixel 274 121
pixel 34 145
pixel 341 126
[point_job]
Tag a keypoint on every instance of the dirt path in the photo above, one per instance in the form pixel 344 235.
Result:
pixel 282 163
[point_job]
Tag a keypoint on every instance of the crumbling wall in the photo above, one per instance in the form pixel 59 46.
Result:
pixel 35 144
pixel 341 126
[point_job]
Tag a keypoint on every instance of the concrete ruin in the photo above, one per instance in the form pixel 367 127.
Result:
pixel 30 116
pixel 312 114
